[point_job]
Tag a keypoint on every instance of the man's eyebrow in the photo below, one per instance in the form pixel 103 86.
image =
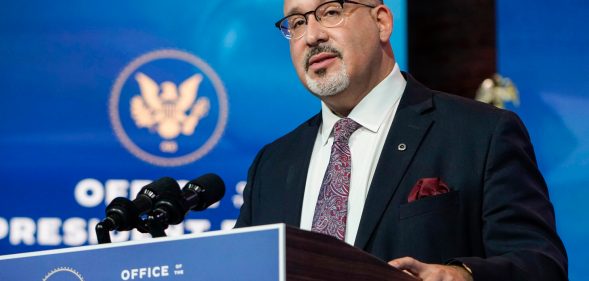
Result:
pixel 292 11
pixel 297 10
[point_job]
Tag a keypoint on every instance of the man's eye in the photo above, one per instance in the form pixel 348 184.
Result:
pixel 333 12
pixel 297 23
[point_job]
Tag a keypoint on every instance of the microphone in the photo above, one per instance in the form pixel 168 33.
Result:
pixel 197 195
pixel 123 214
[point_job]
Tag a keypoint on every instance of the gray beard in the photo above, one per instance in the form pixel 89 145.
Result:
pixel 329 85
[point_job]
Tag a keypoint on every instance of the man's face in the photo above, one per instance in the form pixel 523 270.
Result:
pixel 328 60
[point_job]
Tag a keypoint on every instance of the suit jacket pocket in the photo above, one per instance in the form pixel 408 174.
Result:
pixel 429 204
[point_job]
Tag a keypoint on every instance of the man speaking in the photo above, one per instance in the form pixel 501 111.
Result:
pixel 442 187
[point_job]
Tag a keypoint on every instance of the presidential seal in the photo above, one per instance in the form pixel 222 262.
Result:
pixel 168 108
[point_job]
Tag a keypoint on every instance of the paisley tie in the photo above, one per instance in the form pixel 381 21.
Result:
pixel 331 211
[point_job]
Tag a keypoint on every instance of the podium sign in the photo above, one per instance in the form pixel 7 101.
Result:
pixel 255 253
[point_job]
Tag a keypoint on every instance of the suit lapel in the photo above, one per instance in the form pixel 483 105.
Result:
pixel 410 125
pixel 296 177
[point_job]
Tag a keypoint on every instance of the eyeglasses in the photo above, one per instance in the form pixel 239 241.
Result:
pixel 328 14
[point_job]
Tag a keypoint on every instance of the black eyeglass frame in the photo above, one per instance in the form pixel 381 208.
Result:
pixel 314 12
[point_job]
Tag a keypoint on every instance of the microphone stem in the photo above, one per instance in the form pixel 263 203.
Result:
pixel 157 223
pixel 102 230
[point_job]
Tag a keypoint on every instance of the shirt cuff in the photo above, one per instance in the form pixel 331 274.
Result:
pixel 460 264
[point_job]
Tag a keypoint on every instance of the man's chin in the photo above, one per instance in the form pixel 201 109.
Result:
pixel 325 87
pixel 327 81
pixel 321 95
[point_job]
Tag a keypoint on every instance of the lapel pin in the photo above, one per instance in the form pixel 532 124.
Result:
pixel 401 147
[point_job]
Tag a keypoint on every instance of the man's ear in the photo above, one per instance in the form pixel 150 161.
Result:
pixel 384 21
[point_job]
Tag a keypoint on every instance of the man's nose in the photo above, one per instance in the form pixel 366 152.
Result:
pixel 315 32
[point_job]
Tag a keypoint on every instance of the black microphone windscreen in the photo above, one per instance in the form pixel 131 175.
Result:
pixel 210 188
pixel 162 185
pixel 156 188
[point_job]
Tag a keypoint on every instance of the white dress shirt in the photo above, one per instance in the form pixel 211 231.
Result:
pixel 375 113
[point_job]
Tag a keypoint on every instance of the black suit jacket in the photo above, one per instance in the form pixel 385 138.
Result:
pixel 497 219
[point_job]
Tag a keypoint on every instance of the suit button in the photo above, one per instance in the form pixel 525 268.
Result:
pixel 401 147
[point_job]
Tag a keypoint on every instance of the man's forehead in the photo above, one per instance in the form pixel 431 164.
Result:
pixel 301 6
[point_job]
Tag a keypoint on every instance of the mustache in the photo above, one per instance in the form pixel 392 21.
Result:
pixel 320 49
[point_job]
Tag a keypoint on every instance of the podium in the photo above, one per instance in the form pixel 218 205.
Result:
pixel 271 252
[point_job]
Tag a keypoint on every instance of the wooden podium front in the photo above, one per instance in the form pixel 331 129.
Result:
pixel 314 256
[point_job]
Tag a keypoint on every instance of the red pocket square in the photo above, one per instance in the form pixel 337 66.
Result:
pixel 427 187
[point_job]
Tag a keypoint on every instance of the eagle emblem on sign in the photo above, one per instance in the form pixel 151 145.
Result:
pixel 169 110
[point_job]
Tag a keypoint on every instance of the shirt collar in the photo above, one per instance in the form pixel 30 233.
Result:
pixel 372 110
